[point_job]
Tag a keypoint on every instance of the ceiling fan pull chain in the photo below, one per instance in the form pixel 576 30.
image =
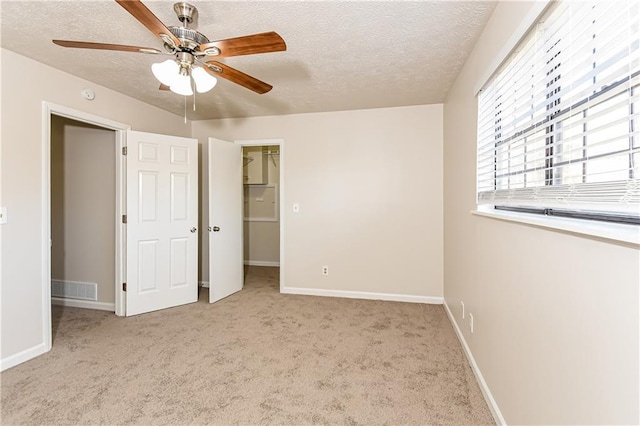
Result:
pixel 185 109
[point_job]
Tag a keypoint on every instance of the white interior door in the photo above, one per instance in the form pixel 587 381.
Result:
pixel 162 216
pixel 226 256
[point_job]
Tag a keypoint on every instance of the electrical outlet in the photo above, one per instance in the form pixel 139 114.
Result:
pixel 462 308
pixel 471 322
pixel 325 270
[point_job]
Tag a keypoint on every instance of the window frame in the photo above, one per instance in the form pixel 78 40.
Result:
pixel 624 234
pixel 510 212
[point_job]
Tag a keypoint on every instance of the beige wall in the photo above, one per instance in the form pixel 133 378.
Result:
pixel 556 315
pixel 83 205
pixel 25 85
pixel 262 239
pixel 369 185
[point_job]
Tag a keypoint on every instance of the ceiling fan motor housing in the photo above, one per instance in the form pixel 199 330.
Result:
pixel 189 38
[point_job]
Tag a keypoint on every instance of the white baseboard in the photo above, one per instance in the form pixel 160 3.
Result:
pixel 86 304
pixel 204 284
pixel 261 263
pixel 362 295
pixel 23 356
pixel 491 402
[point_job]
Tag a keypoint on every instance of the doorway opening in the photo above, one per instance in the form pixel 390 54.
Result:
pixel 262 201
pixel 83 205
pixel 84 121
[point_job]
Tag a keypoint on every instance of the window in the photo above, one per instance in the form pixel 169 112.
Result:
pixel 558 123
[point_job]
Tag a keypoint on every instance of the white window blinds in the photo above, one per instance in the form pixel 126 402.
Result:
pixel 558 123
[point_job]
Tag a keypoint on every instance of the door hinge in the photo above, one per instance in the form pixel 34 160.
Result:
pixel 124 218
pixel 124 286
pixel 124 150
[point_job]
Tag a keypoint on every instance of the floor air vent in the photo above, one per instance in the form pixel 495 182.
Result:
pixel 74 290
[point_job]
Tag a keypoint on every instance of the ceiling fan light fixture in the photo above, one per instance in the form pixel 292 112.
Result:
pixel 188 46
pixel 204 80
pixel 166 71
pixel 181 85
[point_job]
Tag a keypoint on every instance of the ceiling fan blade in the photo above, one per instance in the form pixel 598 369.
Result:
pixel 149 20
pixel 105 46
pixel 247 45
pixel 218 69
pixel 163 87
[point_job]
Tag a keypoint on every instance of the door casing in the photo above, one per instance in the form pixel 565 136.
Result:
pixel 49 109
pixel 281 198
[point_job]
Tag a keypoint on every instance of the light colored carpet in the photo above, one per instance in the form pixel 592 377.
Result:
pixel 256 357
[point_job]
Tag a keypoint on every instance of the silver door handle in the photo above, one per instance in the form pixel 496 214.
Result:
pixel 193 230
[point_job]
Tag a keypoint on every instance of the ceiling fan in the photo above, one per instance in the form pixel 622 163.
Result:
pixel 191 50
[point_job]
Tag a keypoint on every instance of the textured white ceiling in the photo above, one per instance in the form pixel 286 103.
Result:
pixel 341 55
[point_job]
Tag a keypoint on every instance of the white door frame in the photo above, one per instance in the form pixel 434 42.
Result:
pixel 49 109
pixel 281 199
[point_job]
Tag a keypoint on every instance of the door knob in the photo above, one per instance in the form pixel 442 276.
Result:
pixel 216 228
pixel 193 230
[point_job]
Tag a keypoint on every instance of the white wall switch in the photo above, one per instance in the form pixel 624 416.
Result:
pixel 3 215
pixel 296 208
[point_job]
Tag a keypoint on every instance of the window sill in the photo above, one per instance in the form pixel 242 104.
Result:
pixel 614 232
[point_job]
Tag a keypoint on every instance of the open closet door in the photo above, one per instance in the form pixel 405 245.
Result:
pixel 162 216
pixel 226 255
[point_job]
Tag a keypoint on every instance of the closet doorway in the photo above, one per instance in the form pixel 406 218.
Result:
pixel 83 206
pixel 263 198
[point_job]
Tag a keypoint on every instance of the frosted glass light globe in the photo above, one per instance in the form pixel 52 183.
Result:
pixel 166 71
pixel 204 80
